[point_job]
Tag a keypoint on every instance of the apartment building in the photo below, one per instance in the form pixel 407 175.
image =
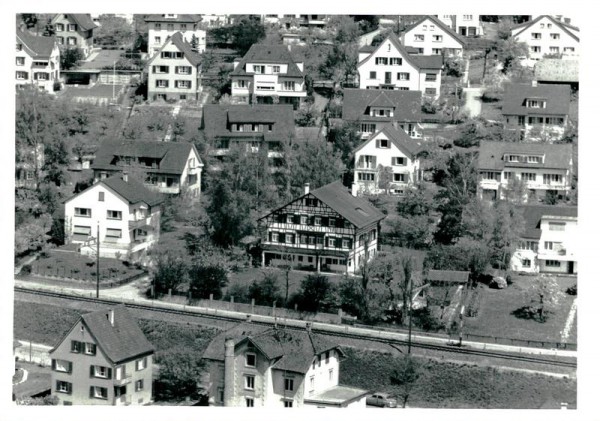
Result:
pixel 547 36
pixel 174 71
pixel 464 25
pixel 268 74
pixel 430 36
pixel 121 211
pixel 387 162
pixel 161 27
pixel 37 61
pixel 104 359
pixel 256 128
pixel 326 229
pixel 537 111
pixel 390 66
pixel 373 109
pixel 542 169
pixel 75 30
pixel 277 368
pixel 549 241
pixel 165 167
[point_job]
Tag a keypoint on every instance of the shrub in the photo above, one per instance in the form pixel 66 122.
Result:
pixel 572 290
pixel 26 269
pixel 472 308
pixel 491 96
pixel 429 107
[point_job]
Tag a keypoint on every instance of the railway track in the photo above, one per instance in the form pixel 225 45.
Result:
pixel 331 330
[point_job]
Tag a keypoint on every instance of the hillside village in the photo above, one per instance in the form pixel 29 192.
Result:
pixel 318 192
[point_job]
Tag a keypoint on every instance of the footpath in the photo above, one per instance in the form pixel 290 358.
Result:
pixel 130 293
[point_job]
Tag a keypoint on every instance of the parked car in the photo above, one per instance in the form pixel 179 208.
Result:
pixel 383 400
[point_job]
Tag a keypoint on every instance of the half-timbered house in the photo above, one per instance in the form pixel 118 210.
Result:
pixel 327 229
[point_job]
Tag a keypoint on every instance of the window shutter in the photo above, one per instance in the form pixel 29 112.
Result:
pixel 93 349
pixel 293 238
pixel 70 367
pixel 109 373
pixel 91 371
pixel 53 364
pixel 91 391
pixel 145 362
pixel 69 388
pixel 281 237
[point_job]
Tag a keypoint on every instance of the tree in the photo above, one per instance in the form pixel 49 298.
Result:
pixel 194 43
pixel 504 29
pixel 506 232
pixel 405 373
pixel 385 176
pixel 208 275
pixel 315 163
pixel 70 58
pixel 543 296
pixel 170 271
pixel 32 235
pixel 245 33
pixel 178 375
pixel 317 294
pixel 454 66
pixel 46 401
pixel 345 138
pixel 114 30
pixel 29 19
pixel 49 30
pixel 265 291
pixel 307 115
pixel 509 52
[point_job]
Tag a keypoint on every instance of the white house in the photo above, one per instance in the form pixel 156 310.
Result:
pixel 432 37
pixel 161 27
pixel 75 30
pixel 37 61
pixel 547 36
pixel 167 167
pixel 268 74
pixel 542 168
pixel 537 111
pixel 276 368
pixel 373 109
pixel 549 242
pixel 174 71
pixel 390 66
pixel 124 213
pixel 387 162
pixel 465 25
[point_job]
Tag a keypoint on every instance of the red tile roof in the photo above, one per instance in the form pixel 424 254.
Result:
pixel 557 98
pixel 407 104
pixel 268 53
pixel 491 155
pixel 39 47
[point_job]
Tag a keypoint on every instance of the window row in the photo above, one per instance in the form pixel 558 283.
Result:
pixel 179 70
pixel 171 54
pixel 60 27
pixel 332 242
pixel 421 38
pixel 317 360
pixel 86 231
pixel 87 213
pixel 180 84
pixel 171 26
pixel 70 40
pixel 323 221
pixel 538 35
pixel 388 76
pixel 79 347
pixel 392 61
pixel 249 127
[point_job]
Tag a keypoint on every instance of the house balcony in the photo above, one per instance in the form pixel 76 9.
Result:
pixel 368 167
pixel 122 400
pixel 123 380
pixel 139 223
pixel 164 189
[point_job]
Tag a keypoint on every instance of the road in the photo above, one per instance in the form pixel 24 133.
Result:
pixel 472 101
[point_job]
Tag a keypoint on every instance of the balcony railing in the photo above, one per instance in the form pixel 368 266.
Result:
pixel 138 223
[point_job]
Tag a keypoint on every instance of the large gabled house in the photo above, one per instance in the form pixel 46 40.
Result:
pixel 537 111
pixel 390 66
pixel 387 162
pixel 37 61
pixel 464 25
pixel 75 30
pixel 326 229
pixel 163 26
pixel 256 128
pixel 547 36
pixel 104 359
pixel 432 37
pixel 542 169
pixel 548 242
pixel 165 167
pixel 373 109
pixel 268 74
pixel 174 71
pixel 278 368
pixel 118 209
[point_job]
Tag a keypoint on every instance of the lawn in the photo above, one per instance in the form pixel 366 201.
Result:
pixel 495 316
pixel 42 323
pixel 492 111
pixel 476 70
pixel 82 268
pixel 454 385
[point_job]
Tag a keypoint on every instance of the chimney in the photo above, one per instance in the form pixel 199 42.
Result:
pixel 534 83
pixel 306 188
pixel 354 190
pixel 229 389
pixel 110 316
pixel 125 176
pixel 395 124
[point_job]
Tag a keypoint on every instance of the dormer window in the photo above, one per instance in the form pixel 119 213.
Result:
pixel 535 103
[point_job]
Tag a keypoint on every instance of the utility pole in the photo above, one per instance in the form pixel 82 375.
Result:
pixel 98 259
pixel 113 81
pixel 410 315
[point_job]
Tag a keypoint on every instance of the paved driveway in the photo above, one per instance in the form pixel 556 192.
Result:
pixel 472 101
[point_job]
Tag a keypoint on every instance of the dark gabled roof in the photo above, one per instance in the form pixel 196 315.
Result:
pixel 398 137
pixel 557 70
pixel 268 53
pixel 419 61
pixel 491 154
pixel 357 210
pixel 411 50
pixel 440 24
pixel 38 46
pixel 215 119
pixel 186 48
pixel 132 190
pixel 121 341
pixel 83 20
pixel 367 49
pixel 291 350
pixel 569 29
pixel 557 99
pixel 452 276
pixel 179 18
pixel 533 214
pixel 173 155
pixel 308 134
pixel 407 104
